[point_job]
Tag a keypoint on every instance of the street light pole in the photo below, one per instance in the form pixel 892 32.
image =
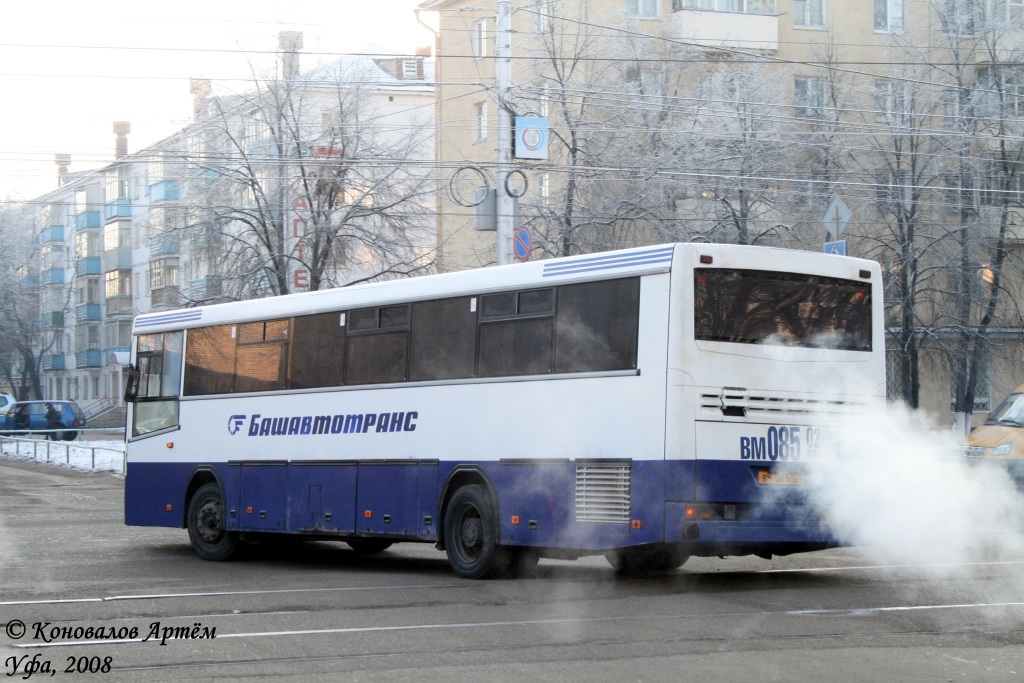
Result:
pixel 503 68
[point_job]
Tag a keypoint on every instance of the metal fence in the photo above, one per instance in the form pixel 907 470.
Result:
pixel 94 453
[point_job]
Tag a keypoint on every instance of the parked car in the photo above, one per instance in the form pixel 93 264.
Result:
pixel 30 415
pixel 1000 440
pixel 6 401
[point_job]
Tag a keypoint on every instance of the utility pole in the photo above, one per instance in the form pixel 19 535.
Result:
pixel 503 66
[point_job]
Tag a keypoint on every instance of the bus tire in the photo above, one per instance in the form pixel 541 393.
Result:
pixel 369 546
pixel 657 558
pixel 470 535
pixel 206 522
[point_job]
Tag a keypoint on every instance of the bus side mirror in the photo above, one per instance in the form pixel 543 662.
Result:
pixel 131 389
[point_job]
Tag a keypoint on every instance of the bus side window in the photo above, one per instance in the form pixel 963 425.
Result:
pixel 378 345
pixel 443 339
pixel 317 351
pixel 597 325
pixel 516 333
pixel 158 365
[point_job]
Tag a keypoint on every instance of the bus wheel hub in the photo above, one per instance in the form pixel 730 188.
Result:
pixel 471 533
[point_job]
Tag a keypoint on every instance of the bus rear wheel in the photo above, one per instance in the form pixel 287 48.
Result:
pixel 470 535
pixel 206 525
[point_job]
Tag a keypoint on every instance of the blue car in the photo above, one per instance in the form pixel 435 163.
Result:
pixel 31 415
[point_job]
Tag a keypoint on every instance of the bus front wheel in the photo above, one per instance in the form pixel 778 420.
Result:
pixel 206 525
pixel 470 535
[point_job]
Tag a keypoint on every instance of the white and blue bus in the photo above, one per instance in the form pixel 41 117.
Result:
pixel 646 404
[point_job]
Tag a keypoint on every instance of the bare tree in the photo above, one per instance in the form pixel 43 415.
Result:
pixel 303 183
pixel 612 99
pixel 24 342
pixel 985 149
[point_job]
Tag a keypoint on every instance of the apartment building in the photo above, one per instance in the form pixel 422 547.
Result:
pixel 742 120
pixel 328 161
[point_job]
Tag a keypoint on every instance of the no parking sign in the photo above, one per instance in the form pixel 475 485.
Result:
pixel 522 243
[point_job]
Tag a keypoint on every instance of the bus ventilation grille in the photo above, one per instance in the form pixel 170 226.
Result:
pixel 740 403
pixel 602 492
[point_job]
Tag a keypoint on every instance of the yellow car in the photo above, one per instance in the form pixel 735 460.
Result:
pixel 1001 438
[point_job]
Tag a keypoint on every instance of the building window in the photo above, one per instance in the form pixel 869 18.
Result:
pixel 958 16
pixel 88 291
pixel 745 6
pixel 1001 92
pixel 889 15
pixel 720 88
pixel 642 8
pixel 811 96
pixel 891 103
pixel 480 121
pixel 117 235
pixel 644 82
pixel 117 283
pixel 478 37
pixel 163 274
pixel 809 13
pixel 87 244
pixel 542 17
pixel 1015 12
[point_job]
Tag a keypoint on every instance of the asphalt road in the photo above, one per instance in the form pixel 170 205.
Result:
pixel 82 591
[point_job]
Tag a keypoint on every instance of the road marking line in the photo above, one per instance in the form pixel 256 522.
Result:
pixel 850 611
pixel 164 596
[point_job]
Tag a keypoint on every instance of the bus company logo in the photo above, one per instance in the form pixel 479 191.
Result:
pixel 235 423
pixel 300 425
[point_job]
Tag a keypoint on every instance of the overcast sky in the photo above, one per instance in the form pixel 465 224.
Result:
pixel 68 70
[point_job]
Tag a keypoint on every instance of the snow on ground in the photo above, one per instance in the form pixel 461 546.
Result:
pixel 105 455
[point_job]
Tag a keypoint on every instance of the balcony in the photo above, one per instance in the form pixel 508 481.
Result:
pixel 166 190
pixel 93 358
pixel 205 288
pixel 53 233
pixel 119 208
pixel 87 266
pixel 117 259
pixel 54 362
pixel 165 298
pixel 51 276
pixel 87 219
pixel 119 305
pixel 163 245
pixel 87 312
pixel 729 29
pixel 53 319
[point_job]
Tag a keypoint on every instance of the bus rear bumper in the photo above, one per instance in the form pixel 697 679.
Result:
pixel 796 529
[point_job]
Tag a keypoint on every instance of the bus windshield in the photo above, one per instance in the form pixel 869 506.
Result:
pixel 785 309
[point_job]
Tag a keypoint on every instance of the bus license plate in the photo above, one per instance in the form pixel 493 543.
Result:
pixel 779 478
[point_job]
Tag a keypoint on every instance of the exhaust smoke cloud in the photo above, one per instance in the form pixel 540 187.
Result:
pixel 903 492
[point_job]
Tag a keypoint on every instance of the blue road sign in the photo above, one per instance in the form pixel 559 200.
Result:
pixel 837 248
pixel 522 244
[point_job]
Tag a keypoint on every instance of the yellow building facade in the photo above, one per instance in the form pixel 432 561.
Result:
pixel 741 120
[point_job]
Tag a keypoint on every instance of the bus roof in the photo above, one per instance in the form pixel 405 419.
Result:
pixel 599 266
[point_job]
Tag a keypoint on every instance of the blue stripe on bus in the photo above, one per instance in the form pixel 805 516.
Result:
pixel 399 500
pixel 163 319
pixel 661 255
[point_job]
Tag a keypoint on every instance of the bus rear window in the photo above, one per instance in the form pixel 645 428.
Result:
pixel 783 309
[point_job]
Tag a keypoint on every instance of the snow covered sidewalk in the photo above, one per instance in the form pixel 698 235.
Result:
pixel 93 456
